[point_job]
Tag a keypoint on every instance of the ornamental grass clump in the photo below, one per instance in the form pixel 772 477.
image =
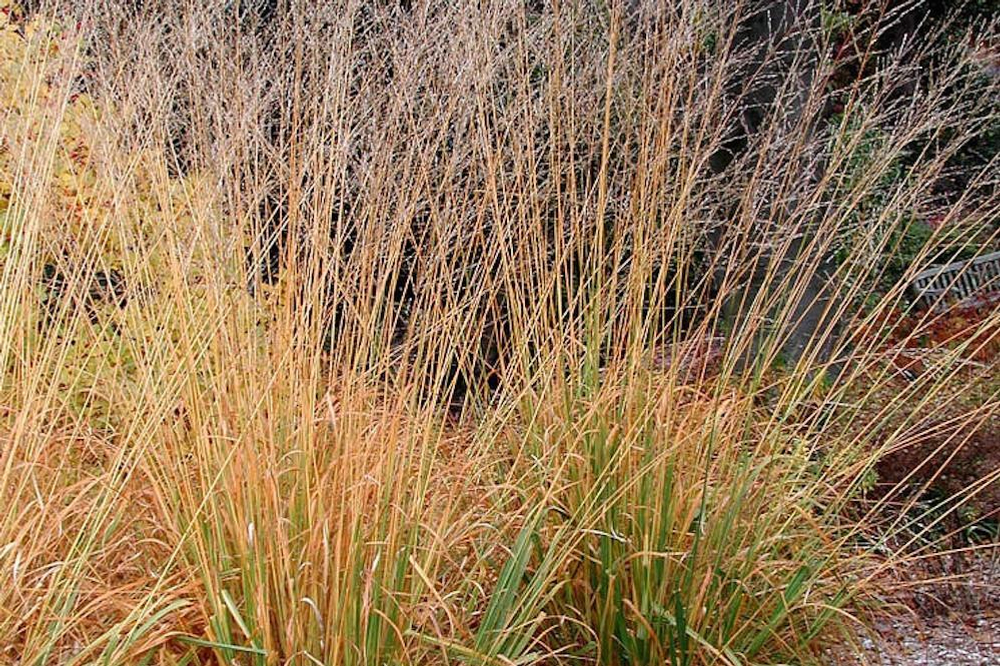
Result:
pixel 493 333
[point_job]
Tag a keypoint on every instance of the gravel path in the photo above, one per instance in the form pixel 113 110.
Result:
pixel 957 641
pixel 944 626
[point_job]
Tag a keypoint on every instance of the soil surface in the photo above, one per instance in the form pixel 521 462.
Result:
pixel 956 641
pixel 929 622
pixel 941 604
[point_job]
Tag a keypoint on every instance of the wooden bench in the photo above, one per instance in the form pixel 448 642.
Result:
pixel 939 286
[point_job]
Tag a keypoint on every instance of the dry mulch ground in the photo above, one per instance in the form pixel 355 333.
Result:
pixel 934 623
pixel 942 607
